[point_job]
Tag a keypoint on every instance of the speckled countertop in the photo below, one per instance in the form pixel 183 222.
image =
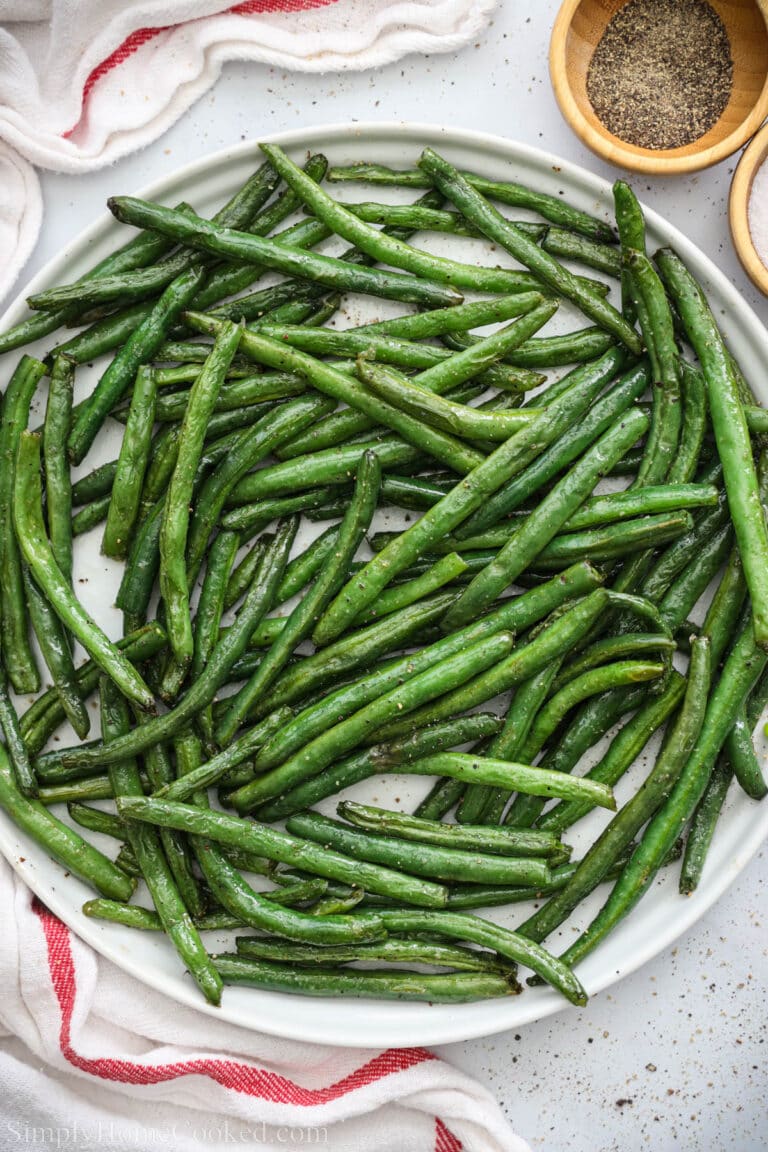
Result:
pixel 673 1057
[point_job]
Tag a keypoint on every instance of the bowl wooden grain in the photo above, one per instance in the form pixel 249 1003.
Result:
pixel 738 209
pixel 576 33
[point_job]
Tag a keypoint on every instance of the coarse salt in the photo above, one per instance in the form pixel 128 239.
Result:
pixel 757 212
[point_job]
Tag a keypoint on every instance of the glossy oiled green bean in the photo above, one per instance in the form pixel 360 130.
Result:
pixel 210 608
pixel 506 192
pixel 132 463
pixel 380 758
pixel 251 446
pixel 613 541
pixel 438 321
pixel 315 753
pixel 40 720
pixel 547 645
pixel 741 753
pixel 449 450
pixel 57 653
pixel 287 849
pixel 326 270
pixel 531 539
pixel 17 653
pixel 242 574
pixel 637 811
pixel 386 248
pixel 731 433
pixel 380 983
pixel 417 858
pixel 37 552
pixel 427 219
pixel 497 841
pixel 392 949
pixel 138 349
pixel 508 459
pixel 445 415
pixel 743 666
pixel 227 651
pixel 58 484
pixel 477 361
pixel 566 245
pixel 124 776
pixel 60 841
pixel 304 616
pixel 642 502
pixel 401 595
pixel 174 586
pixel 94 484
pixel 492 224
pixel 694 423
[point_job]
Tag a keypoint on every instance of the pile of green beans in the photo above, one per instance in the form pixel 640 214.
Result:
pixel 349 552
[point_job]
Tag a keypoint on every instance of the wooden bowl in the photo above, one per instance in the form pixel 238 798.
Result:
pixel 738 209
pixel 577 31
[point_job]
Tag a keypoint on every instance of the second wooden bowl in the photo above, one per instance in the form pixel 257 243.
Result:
pixel 738 209
pixel 577 31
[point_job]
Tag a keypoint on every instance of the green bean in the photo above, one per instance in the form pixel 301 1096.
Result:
pixel 227 651
pixel 174 585
pixel 94 484
pixel 392 949
pixel 438 321
pixel 741 754
pixel 54 645
pixel 326 270
pixel 695 578
pixel 304 617
pixel 17 654
pixel 41 718
pixel 442 796
pixel 569 445
pixel 525 662
pixel 656 325
pixel 235 394
pixel 612 648
pixel 339 386
pixel 567 245
pixel 694 423
pixel 252 518
pixel 496 841
pixel 138 349
pixel 251 446
pixel 731 433
pixel 542 525
pixel 385 248
pixel 649 799
pixel 551 208
pixel 440 413
pixel 381 983
pixel 97 820
pixel 417 858
pixel 508 459
pixel 58 485
pixel 480 802
pixel 614 540
pixel 703 826
pixel 525 809
pixel 317 751
pixel 145 842
pixel 241 576
pixel 630 223
pixel 479 360
pixel 105 335
pixel 427 219
pixel 381 758
pixel 413 491
pixel 209 610
pixel 401 595
pixel 59 840
pixel 89 517
pixel 131 466
pixel 642 501
pixel 554 276
pixel 287 849
pixel 743 666
pixel 37 552
pixel 674 560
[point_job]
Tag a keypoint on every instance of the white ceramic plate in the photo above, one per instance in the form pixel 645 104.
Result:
pixel 663 915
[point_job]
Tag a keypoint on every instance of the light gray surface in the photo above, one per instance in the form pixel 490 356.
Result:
pixel 672 1057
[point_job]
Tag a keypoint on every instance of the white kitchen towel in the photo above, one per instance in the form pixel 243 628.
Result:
pixel 90 1058
pixel 83 82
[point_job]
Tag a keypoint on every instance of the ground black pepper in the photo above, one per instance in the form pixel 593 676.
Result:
pixel 662 72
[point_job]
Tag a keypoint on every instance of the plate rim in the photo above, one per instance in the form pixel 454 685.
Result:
pixel 438 1024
